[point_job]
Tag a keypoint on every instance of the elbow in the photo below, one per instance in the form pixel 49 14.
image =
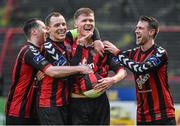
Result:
pixel 125 73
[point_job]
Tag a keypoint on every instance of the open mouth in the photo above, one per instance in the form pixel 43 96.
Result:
pixel 88 27
pixel 138 36
pixel 61 32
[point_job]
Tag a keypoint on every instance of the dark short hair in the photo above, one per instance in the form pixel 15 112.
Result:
pixel 80 11
pixel 55 14
pixel 29 24
pixel 153 23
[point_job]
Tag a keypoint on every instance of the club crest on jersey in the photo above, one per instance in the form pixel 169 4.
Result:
pixel 38 58
pixel 156 61
pixel 142 80
pixel 61 61
pixel 116 60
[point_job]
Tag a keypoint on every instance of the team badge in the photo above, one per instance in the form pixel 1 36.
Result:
pixel 116 60
pixel 156 61
pixel 61 61
pixel 38 58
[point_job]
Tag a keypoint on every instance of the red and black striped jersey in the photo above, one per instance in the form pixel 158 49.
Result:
pixel 22 96
pixel 154 100
pixel 100 65
pixel 55 91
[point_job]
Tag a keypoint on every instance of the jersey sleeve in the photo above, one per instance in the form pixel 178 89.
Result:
pixel 71 36
pixel 96 35
pixel 35 59
pixel 114 63
pixel 77 55
pixel 151 63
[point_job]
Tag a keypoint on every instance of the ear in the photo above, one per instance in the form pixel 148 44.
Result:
pixel 47 28
pixel 152 32
pixel 33 31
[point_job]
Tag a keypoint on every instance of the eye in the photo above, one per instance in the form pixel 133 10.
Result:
pixel 56 25
pixel 91 20
pixel 63 24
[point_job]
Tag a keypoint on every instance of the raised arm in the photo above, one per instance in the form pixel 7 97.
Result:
pixel 152 63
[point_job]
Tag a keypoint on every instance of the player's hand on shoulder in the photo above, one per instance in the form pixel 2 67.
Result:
pixel 110 47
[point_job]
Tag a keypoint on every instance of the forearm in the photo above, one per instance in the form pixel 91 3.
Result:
pixel 120 75
pixel 62 71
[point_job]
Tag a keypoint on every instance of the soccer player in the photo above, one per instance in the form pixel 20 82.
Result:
pixel 53 98
pixel 20 107
pixel 84 109
pixel 149 63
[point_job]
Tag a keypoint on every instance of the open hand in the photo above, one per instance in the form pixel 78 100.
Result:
pixel 104 84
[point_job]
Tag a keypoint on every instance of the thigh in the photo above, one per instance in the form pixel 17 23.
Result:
pixel 101 113
pixel 53 115
pixel 79 111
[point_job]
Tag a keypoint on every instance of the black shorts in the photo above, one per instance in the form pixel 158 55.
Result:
pixel 53 115
pixel 11 120
pixel 165 121
pixel 90 111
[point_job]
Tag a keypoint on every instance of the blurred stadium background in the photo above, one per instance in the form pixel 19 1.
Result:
pixel 115 20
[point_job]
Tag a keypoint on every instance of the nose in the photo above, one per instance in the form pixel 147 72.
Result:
pixel 136 30
pixel 88 22
pixel 61 26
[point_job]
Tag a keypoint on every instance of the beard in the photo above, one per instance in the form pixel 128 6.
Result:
pixel 141 41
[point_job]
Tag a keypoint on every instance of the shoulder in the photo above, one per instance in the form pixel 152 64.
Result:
pixel 160 50
pixel 33 49
pixel 72 34
pixel 47 45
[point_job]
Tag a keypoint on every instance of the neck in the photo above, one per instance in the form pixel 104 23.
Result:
pixel 34 42
pixel 147 45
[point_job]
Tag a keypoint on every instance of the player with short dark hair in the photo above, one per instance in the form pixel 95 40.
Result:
pixel 149 63
pixel 53 98
pixel 86 106
pixel 20 106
